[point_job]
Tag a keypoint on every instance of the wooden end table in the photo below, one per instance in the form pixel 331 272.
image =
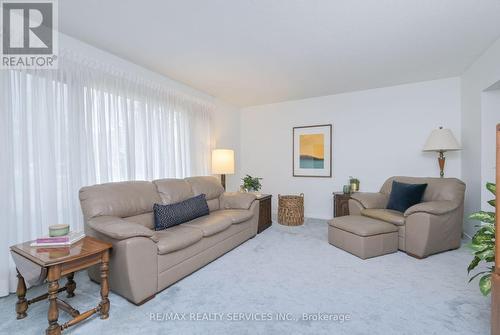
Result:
pixel 265 220
pixel 340 204
pixel 53 263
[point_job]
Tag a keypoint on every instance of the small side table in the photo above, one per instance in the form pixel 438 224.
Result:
pixel 340 204
pixel 54 263
pixel 265 220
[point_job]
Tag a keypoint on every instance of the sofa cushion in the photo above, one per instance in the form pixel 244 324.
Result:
pixel 210 224
pixel 176 238
pixel 403 196
pixel 237 200
pixel 173 190
pixel 362 225
pixel 205 246
pixel 119 199
pixel 387 215
pixel 171 215
pixel 208 185
pixel 236 215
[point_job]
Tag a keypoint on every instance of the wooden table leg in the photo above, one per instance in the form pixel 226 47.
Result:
pixel 22 303
pixel 53 277
pixel 104 304
pixel 61 304
pixel 71 286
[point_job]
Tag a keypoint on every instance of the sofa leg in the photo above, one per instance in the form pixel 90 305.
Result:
pixel 415 256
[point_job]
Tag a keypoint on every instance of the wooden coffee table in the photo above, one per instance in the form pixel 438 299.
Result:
pixel 40 263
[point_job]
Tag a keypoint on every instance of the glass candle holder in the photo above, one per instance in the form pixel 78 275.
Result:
pixel 347 189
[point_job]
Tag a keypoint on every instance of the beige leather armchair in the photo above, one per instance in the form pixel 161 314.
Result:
pixel 432 226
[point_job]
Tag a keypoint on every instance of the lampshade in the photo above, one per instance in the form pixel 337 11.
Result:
pixel 441 140
pixel 222 161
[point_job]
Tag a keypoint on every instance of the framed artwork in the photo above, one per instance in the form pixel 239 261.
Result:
pixel 312 151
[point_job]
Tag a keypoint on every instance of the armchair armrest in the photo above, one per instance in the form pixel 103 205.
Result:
pixel 371 200
pixel 433 207
pixel 118 229
pixel 236 200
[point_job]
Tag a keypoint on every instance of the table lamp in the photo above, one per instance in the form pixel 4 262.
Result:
pixel 441 140
pixel 223 163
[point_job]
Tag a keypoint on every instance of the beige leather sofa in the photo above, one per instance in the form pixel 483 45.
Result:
pixel 432 226
pixel 143 261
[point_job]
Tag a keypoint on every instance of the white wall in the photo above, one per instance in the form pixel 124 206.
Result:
pixel 490 117
pixel 227 136
pixel 376 134
pixel 481 75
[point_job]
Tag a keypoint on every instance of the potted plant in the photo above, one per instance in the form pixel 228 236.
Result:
pixel 483 245
pixel 354 182
pixel 251 184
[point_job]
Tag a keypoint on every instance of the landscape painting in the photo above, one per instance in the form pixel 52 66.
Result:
pixel 312 151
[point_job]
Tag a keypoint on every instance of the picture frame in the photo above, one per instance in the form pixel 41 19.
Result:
pixel 312 151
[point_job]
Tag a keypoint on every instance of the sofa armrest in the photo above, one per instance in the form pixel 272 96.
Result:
pixel 236 200
pixel 118 229
pixel 133 267
pixel 432 207
pixel 371 200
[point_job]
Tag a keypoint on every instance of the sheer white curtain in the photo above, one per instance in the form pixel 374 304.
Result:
pixel 84 124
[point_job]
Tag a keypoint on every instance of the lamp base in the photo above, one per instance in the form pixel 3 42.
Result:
pixel 441 161
pixel 223 180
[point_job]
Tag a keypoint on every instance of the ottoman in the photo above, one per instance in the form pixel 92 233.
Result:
pixel 363 236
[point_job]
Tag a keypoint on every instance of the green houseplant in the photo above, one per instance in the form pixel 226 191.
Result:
pixel 251 184
pixel 483 245
pixel 354 182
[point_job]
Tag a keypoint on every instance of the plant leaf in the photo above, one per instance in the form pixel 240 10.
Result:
pixel 473 264
pixel 488 217
pixel 477 274
pixel 486 253
pixel 482 240
pixel 492 202
pixel 485 284
pixel 482 236
pixel 491 187
pixel 477 247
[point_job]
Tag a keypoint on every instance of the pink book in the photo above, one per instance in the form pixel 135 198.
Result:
pixel 55 239
pixel 69 239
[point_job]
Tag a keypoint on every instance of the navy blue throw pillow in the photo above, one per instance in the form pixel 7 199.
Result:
pixel 403 196
pixel 167 216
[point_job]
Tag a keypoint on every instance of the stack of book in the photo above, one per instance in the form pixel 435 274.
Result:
pixel 58 241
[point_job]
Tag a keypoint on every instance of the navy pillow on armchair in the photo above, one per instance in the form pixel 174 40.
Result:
pixel 167 216
pixel 403 196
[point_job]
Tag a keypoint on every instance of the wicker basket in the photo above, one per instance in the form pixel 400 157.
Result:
pixel 291 209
